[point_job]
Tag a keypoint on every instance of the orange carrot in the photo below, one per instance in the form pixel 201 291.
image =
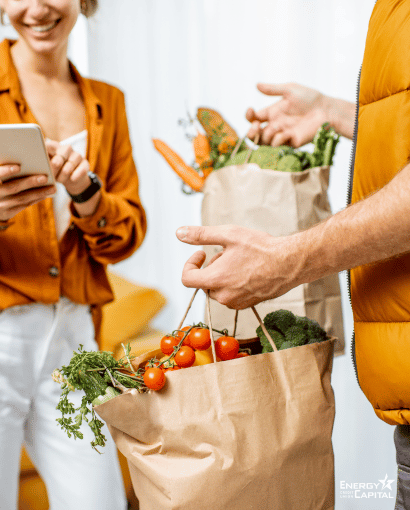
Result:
pixel 202 148
pixel 187 173
pixel 214 123
pixel 227 144
pixel 207 170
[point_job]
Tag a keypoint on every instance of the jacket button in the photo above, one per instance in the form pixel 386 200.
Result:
pixel 102 222
pixel 53 271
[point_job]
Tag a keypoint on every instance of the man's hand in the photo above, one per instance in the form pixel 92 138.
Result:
pixel 252 267
pixel 294 119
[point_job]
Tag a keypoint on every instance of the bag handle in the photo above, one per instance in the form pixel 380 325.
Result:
pixel 250 148
pixel 239 143
pixel 208 309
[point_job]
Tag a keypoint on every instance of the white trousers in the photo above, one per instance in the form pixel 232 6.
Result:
pixel 34 340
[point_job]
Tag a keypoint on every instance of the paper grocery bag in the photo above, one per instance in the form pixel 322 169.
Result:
pixel 252 433
pixel 279 203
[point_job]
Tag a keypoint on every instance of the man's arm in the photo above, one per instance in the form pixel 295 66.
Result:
pixel 255 266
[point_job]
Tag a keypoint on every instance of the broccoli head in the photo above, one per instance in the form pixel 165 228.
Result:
pixel 297 336
pixel 277 337
pixel 315 330
pixel 289 330
pixel 286 345
pixel 280 320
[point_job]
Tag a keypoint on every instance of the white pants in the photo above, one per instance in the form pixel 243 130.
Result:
pixel 34 340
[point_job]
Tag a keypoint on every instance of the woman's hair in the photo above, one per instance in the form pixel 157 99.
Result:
pixel 88 8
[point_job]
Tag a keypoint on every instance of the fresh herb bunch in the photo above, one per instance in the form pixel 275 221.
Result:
pixel 99 374
pixel 289 330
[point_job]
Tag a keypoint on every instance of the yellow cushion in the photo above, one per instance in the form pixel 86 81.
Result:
pixel 148 340
pixel 130 312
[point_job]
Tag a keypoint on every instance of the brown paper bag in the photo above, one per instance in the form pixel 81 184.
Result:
pixel 252 433
pixel 279 203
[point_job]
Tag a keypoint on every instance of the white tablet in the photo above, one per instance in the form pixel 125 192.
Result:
pixel 24 144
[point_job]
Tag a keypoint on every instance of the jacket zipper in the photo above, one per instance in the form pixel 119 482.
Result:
pixel 349 200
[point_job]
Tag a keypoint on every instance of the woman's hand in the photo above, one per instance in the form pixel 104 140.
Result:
pixel 69 167
pixel 294 119
pixel 20 192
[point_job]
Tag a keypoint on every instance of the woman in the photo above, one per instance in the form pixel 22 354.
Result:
pixel 54 250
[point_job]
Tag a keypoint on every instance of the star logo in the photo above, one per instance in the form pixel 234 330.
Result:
pixel 386 484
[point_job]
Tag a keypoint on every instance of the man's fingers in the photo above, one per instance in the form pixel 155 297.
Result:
pixel 205 235
pixel 192 274
pixel 254 130
pixel 273 89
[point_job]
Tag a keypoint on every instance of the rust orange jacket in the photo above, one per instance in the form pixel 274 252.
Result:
pixel 34 265
pixel 381 292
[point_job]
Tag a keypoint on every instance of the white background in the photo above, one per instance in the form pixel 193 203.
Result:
pixel 171 56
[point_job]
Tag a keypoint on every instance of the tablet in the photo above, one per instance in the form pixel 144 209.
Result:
pixel 24 144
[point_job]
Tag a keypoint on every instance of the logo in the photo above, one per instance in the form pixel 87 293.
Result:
pixel 368 490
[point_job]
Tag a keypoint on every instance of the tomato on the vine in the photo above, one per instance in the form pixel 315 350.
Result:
pixel 185 357
pixel 226 347
pixel 168 343
pixel 154 378
pixel 200 338
pixel 151 364
pixel 181 334
pixel 242 354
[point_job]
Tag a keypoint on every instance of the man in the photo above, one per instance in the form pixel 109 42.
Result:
pixel 370 237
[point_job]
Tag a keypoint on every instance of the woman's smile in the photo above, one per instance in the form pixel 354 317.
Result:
pixel 43 27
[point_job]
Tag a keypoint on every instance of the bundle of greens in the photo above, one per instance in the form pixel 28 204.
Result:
pixel 289 330
pixel 102 377
pixel 286 159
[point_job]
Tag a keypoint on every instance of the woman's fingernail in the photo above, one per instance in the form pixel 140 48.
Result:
pixel 41 179
pixel 182 232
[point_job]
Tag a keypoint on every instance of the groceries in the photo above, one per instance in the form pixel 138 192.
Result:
pixel 102 377
pixel 217 145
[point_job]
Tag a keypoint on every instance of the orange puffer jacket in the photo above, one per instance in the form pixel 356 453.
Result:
pixel 380 292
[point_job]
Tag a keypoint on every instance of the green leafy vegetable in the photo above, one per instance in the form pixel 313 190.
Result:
pixel 99 374
pixel 286 159
pixel 289 330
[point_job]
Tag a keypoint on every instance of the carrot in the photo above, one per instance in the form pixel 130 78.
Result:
pixel 207 170
pixel 227 144
pixel 187 173
pixel 202 148
pixel 214 123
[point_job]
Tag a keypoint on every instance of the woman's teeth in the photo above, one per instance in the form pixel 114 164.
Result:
pixel 44 28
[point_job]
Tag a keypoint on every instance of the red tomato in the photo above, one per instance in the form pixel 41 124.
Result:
pixel 168 343
pixel 154 378
pixel 242 355
pixel 226 347
pixel 181 333
pixel 185 357
pixel 176 367
pixel 155 364
pixel 200 338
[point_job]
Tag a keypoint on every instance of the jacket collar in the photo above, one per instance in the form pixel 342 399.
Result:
pixel 9 82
